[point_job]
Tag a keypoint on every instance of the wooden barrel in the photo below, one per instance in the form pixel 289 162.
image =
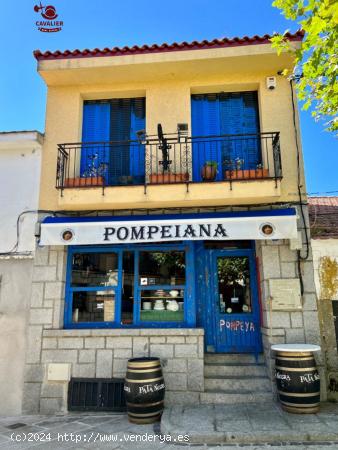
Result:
pixel 298 382
pixel 144 390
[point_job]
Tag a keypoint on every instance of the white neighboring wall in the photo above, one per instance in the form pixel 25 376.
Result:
pixel 20 165
pixel 320 248
pixel 20 160
pixel 327 248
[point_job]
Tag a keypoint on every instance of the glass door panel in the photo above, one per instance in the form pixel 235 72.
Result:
pixel 234 291
pixel 235 302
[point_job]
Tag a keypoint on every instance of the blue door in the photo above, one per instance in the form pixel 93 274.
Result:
pixel 111 125
pixel 234 305
pixel 221 117
pixel 95 128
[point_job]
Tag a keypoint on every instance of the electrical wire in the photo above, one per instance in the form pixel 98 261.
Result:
pixel 134 212
pixel 13 251
pixel 321 193
pixel 299 185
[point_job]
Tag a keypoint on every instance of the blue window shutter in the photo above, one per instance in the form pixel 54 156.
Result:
pixel 251 126
pixel 115 120
pixel 137 151
pixel 205 121
pixel 119 133
pixel 231 123
pixel 95 128
pixel 239 115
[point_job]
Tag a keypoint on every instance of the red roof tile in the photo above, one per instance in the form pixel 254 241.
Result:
pixel 155 48
pixel 323 213
pixel 323 201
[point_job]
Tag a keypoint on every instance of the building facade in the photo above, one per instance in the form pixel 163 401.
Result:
pixel 179 225
pixel 323 213
pixel 20 161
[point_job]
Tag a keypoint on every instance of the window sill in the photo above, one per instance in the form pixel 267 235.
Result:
pixel 124 332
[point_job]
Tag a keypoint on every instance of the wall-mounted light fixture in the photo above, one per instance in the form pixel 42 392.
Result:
pixel 182 131
pixel 141 136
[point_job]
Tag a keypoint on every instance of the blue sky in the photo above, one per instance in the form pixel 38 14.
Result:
pixel 109 23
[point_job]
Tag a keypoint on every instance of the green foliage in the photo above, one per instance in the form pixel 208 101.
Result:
pixel 317 58
pixel 231 270
pixel 211 163
pixel 173 261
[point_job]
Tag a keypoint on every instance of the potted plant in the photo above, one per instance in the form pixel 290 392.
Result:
pixel 168 177
pixel 261 172
pixel 209 171
pixel 234 171
pixel 84 181
pixel 94 175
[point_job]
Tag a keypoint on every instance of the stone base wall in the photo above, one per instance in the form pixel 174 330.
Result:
pixel 277 261
pixel 104 354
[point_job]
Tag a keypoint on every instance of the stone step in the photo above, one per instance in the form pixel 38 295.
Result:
pixel 221 369
pixel 233 397
pixel 246 383
pixel 231 358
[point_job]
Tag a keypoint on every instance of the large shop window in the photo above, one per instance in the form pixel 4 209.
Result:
pixel 127 287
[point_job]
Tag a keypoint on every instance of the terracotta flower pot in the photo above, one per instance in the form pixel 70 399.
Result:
pixel 246 174
pixel 165 178
pixel 84 181
pixel 208 172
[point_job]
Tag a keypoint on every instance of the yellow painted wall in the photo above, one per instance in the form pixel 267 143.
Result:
pixel 168 102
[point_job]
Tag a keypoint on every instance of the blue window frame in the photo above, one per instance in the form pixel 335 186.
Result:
pixel 103 296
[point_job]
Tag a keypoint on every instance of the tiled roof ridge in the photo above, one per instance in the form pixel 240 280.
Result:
pixel 323 213
pixel 331 200
pixel 155 48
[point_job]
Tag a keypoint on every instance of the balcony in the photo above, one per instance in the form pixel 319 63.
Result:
pixel 169 160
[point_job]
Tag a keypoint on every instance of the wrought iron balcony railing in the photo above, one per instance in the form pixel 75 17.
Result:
pixel 178 159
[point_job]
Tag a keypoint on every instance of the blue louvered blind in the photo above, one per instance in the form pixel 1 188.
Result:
pixel 220 114
pixel 119 131
pixel 95 128
pixel 115 120
pixel 137 152
pixel 205 122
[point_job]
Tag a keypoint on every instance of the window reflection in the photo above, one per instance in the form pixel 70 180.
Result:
pixel 94 269
pixel 234 284
pixel 167 267
pixel 94 306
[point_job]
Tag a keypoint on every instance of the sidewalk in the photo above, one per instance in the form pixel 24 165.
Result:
pixel 251 423
pixel 226 427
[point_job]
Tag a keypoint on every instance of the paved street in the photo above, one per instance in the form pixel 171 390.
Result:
pixel 227 427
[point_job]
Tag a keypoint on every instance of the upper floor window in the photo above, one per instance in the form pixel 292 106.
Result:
pixel 115 121
pixel 234 115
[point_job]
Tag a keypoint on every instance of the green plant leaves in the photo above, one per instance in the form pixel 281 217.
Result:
pixel 317 57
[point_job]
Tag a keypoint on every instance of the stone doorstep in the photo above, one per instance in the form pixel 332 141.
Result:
pixel 203 429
